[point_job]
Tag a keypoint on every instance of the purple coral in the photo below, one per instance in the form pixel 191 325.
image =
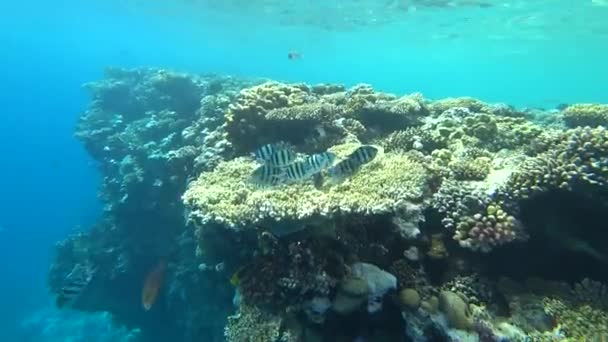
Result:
pixel 484 232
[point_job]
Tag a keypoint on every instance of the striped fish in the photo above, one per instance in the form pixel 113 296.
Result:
pixel 267 175
pixel 309 167
pixel 278 154
pixel 264 153
pixel 76 282
pixel 351 164
pixel 320 161
pixel 282 157
pixel 344 168
pixel 364 154
pixel 298 171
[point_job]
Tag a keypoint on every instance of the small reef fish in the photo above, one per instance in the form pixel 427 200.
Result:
pixel 297 171
pixel 311 166
pixel 321 161
pixel 294 55
pixel 263 153
pixel 276 154
pixel 152 284
pixel 282 157
pixel 351 164
pixel 267 175
pixel 78 279
pixel 281 165
pixel 364 154
pixel 235 279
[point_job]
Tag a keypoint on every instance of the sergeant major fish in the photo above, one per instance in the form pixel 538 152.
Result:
pixel 282 157
pixel 76 282
pixel 321 161
pixel 351 164
pixel 275 153
pixel 267 175
pixel 311 166
pixel 297 171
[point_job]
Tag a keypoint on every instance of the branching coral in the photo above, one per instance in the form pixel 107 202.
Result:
pixel 254 325
pixel 579 160
pixel 578 320
pixel 484 231
pixel 363 95
pixel 471 169
pixel 478 221
pixel 544 307
pixel 411 138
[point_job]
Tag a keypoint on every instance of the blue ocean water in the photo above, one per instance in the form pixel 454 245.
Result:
pixel 50 48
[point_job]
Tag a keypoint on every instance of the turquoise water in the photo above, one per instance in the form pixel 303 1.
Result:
pixel 524 53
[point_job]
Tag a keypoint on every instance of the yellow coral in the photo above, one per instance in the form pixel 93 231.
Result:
pixel 253 325
pixel 474 105
pixel 384 185
pixel 580 321
pixel 586 114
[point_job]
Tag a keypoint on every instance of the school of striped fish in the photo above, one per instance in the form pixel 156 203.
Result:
pixel 280 164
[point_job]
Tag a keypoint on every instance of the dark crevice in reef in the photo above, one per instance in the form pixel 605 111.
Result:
pixel 386 325
pixel 568 240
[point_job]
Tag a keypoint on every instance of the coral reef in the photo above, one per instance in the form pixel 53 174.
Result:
pixel 254 325
pixel 150 131
pixel 52 325
pixel 383 186
pixel 387 248
pixel 581 115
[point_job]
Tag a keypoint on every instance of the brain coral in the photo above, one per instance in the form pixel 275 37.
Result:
pixel 384 185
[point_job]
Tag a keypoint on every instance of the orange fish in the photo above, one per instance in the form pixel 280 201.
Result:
pixel 152 285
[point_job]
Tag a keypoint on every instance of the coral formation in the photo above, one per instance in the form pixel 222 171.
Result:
pixel 254 325
pixel 387 244
pixel 456 310
pixel 586 114
pixel 381 187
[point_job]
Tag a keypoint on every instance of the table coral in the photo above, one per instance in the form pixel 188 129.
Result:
pixel 586 114
pixel 474 105
pixel 394 114
pixel 380 187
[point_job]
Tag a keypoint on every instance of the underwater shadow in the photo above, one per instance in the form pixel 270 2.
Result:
pixel 568 239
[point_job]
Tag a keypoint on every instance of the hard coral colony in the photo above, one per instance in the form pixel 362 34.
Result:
pixel 379 217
